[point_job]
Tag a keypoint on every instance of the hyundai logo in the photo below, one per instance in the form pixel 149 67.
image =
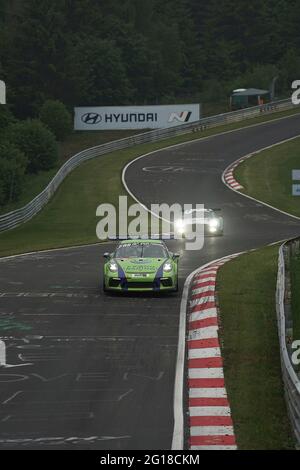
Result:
pixel 91 118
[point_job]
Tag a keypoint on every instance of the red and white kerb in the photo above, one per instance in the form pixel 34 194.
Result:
pixel 210 422
pixel 230 179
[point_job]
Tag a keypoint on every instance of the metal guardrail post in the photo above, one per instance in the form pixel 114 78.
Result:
pixel 290 378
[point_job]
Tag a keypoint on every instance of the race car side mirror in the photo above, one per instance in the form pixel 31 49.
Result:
pixel 176 255
pixel 106 255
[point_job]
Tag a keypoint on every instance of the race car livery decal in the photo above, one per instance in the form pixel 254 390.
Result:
pixel 122 276
pixel 158 275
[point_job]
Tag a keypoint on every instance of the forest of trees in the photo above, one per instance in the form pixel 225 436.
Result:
pixel 57 54
pixel 118 52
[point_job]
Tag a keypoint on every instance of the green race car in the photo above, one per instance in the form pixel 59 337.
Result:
pixel 141 265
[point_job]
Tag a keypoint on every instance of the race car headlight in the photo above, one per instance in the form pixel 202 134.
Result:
pixel 113 267
pixel 214 223
pixel 180 226
pixel 168 267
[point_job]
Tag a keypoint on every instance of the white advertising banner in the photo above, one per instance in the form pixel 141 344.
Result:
pixel 296 175
pixel 134 117
pixel 296 189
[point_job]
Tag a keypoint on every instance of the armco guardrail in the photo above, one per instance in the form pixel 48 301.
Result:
pixel 13 219
pixel 290 377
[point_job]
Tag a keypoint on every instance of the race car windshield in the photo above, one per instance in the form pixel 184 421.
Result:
pixel 197 214
pixel 140 250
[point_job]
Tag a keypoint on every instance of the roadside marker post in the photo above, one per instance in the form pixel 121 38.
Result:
pixel 296 187
pixel 2 353
pixel 2 92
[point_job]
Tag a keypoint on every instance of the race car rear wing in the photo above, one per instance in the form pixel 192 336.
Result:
pixel 161 236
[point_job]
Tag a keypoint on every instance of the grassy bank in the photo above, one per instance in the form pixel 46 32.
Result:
pixel 251 351
pixel 268 176
pixel 69 219
pixel 35 183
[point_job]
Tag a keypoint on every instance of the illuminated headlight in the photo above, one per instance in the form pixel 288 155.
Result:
pixel 113 267
pixel 213 225
pixel 180 226
pixel 168 267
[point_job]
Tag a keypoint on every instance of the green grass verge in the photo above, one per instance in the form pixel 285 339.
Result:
pixel 295 283
pixel 268 176
pixel 76 142
pixel 251 351
pixel 69 219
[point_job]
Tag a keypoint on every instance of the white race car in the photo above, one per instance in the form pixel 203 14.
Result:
pixel 213 223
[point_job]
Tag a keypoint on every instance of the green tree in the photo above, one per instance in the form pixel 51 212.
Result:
pixel 57 118
pixel 37 143
pixel 133 51
pixel 6 118
pixel 12 168
pixel 3 7
pixel 143 16
pixel 290 69
pixel 140 66
pixel 97 73
pixel 33 58
pixel 259 76
pixel 238 34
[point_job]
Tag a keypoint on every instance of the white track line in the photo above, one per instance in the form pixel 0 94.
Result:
pixel 241 160
pixel 52 250
pixel 178 431
pixel 203 139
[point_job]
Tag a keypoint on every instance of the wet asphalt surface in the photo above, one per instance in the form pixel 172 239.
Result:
pixel 95 371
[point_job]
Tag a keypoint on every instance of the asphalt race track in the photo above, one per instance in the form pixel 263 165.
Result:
pixel 90 371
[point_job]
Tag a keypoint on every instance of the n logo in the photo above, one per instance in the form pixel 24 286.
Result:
pixel 182 117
